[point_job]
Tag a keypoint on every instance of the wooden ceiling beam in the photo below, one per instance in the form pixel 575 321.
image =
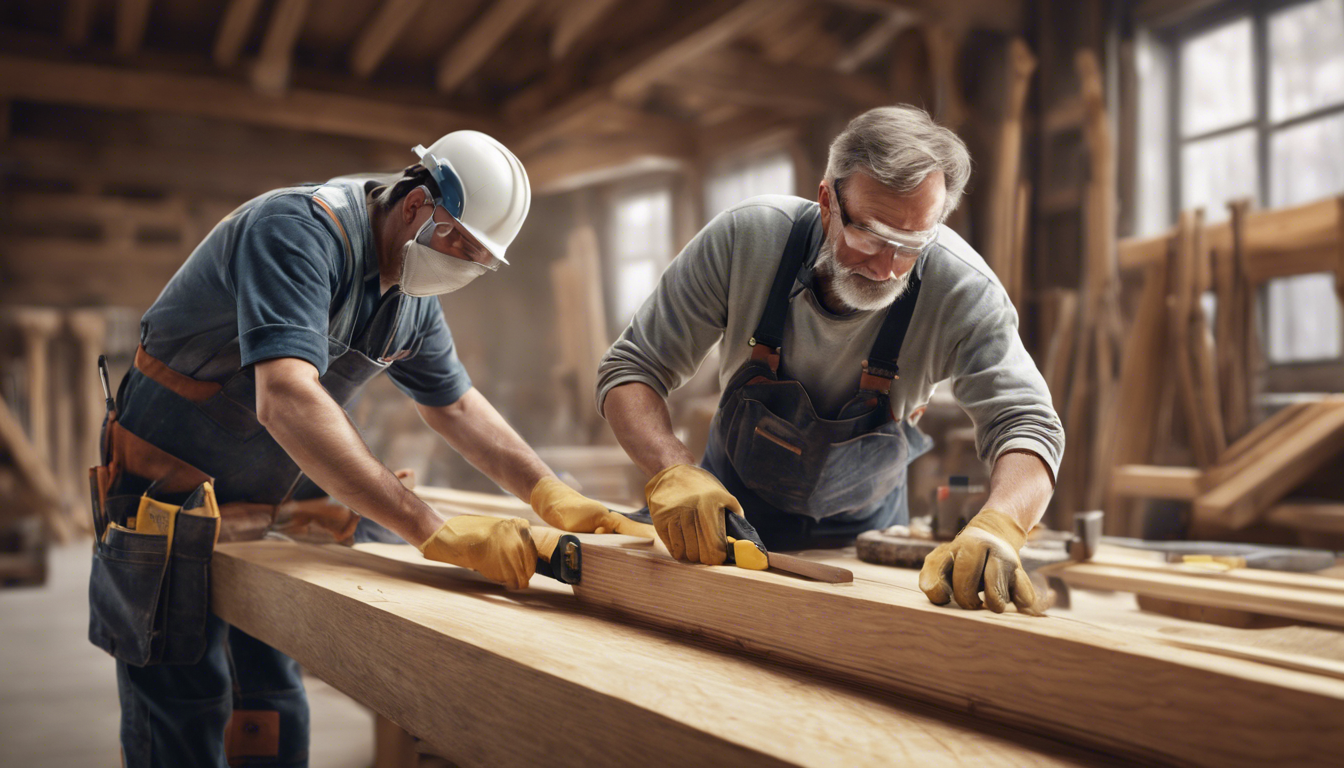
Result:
pixel 378 36
pixel 301 110
pixel 576 18
pixel 481 40
pixel 76 21
pixel 270 74
pixel 234 28
pixel 746 80
pixel 132 18
pixel 877 39
pixel 552 100
pixel 998 15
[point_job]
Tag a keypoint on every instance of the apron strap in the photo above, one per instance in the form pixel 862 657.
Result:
pixel 770 331
pixel 881 367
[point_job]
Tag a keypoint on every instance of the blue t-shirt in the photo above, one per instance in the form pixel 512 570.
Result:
pixel 272 275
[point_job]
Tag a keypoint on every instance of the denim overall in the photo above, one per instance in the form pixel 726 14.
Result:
pixel 176 715
pixel 803 480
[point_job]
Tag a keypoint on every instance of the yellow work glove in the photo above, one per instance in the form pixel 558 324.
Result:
pixel 982 557
pixel 687 504
pixel 569 510
pixel 500 548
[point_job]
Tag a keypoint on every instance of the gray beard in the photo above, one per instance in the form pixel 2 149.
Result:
pixel 851 291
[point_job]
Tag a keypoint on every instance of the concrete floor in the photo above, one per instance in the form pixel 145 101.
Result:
pixel 58 693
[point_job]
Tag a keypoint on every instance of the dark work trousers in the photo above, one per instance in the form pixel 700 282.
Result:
pixel 174 716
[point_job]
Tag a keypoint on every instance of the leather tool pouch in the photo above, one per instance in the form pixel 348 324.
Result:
pixel 149 592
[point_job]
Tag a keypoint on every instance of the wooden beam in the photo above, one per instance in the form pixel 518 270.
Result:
pixel 482 39
pixel 380 33
pixel 1279 243
pixel 488 678
pixel 745 80
pixel 557 168
pixel 1242 498
pixel 1139 481
pixel 1319 517
pixel 132 18
pixel 1087 685
pixel 688 40
pixel 576 17
pixel 76 21
pixel 239 16
pixel 876 39
pixel 1020 64
pixel 94 86
pixel 1293 596
pixel 270 73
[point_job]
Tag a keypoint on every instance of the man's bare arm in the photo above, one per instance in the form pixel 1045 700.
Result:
pixel 643 426
pixel 316 432
pixel 475 429
pixel 1020 487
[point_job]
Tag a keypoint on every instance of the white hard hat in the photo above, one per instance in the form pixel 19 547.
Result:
pixel 482 184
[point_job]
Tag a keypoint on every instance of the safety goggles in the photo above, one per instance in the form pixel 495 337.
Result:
pixel 870 243
pixel 451 238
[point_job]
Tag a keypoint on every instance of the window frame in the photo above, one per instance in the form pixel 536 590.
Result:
pixel 1295 375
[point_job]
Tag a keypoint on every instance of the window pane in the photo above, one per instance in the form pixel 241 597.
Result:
pixel 1153 147
pixel 1216 85
pixel 634 283
pixel 1303 317
pixel 1214 171
pixel 1306 162
pixel 641 246
pixel 771 174
pixel 1306 58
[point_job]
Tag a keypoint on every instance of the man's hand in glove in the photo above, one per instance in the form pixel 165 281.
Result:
pixel 569 510
pixel 982 557
pixel 500 548
pixel 687 504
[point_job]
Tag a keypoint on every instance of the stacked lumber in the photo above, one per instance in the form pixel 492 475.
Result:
pixel 1184 377
pixel 471 670
pixel 1250 477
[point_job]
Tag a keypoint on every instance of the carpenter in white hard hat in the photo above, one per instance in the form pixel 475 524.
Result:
pixel 294 302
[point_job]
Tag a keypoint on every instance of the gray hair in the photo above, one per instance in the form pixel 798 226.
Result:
pixel 900 146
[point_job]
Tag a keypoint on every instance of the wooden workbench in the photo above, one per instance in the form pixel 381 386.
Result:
pixel 494 678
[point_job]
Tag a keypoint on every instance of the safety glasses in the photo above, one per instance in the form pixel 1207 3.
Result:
pixel 870 243
pixel 451 238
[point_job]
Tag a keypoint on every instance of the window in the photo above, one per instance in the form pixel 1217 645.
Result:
pixel 1258 112
pixel 762 174
pixel 641 246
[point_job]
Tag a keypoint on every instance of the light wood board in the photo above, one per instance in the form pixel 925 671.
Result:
pixel 491 678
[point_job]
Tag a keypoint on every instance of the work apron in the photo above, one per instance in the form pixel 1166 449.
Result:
pixel 171 432
pixel 804 480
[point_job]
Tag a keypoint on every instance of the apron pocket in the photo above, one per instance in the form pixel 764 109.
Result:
pixel 770 457
pixel 186 603
pixel 124 586
pixel 859 473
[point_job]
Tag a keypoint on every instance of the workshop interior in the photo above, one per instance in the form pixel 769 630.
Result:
pixel 392 383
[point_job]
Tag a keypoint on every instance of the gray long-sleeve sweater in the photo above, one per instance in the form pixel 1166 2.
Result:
pixel 964 329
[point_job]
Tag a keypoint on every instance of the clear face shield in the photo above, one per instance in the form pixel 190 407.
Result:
pixel 451 238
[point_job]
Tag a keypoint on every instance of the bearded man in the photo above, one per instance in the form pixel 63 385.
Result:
pixel 836 319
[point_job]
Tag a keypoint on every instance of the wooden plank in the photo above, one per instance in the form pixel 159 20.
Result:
pixel 131 19
pixel 76 21
pixel 720 23
pixel 234 28
pixel 1182 309
pixel 1097 687
pixel 575 19
pixel 876 39
pixel 1003 206
pixel 1279 243
pixel 1236 336
pixel 270 73
pixel 321 112
pixel 1320 517
pixel 743 79
pixel 1241 498
pixel 1318 606
pixel 488 678
pixel 1262 431
pixel 1137 480
pixel 377 37
pixel 475 45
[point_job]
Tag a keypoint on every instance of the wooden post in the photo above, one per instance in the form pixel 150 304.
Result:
pixel 1004 204
pixel 393 747
pixel 38 325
